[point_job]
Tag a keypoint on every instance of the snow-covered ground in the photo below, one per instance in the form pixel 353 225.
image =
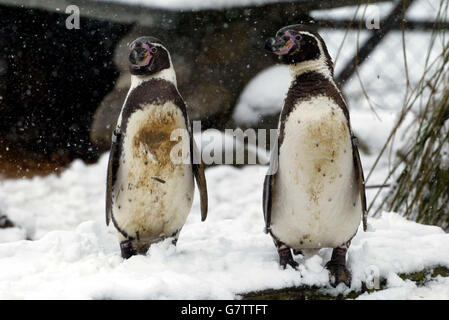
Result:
pixel 78 257
pixel 74 254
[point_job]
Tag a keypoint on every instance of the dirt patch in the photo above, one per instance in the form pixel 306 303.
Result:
pixel 151 148
pixel 327 137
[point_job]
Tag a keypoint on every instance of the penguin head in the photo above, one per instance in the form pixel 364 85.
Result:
pixel 147 56
pixel 298 43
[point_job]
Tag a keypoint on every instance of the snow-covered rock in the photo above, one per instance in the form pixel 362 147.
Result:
pixel 263 96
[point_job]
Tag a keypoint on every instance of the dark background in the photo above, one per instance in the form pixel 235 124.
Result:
pixel 51 82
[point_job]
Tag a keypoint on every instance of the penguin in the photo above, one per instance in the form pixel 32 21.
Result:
pixel 314 191
pixel 148 195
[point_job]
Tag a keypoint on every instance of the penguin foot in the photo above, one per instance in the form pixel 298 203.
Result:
pixel 127 249
pixel 285 257
pixel 175 237
pixel 337 267
pixel 338 274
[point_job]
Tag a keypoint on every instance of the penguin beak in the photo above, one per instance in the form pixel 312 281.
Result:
pixel 139 57
pixel 279 46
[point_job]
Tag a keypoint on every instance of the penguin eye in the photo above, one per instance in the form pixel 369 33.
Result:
pixel 298 37
pixel 153 50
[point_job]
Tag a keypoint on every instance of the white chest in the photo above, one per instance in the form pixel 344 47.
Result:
pixel 315 201
pixel 152 194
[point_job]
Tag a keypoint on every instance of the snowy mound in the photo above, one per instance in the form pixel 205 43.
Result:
pixel 420 10
pixel 264 95
pixel 44 204
pixel 7 233
pixel 226 255
pixel 216 260
pixel 194 4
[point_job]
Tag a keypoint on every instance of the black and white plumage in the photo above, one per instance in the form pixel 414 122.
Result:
pixel 314 192
pixel 149 196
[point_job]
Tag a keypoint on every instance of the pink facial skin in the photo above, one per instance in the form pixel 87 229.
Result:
pixel 290 44
pixel 147 58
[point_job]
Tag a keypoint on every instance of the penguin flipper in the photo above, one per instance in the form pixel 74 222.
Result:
pixel 360 179
pixel 113 164
pixel 200 177
pixel 268 185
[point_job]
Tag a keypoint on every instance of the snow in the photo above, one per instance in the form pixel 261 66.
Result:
pixel 77 257
pixel 425 9
pixel 422 10
pixel 8 234
pixel 435 289
pixel 12 234
pixel 351 12
pixel 264 95
pixel 56 202
pixel 193 4
pixel 419 10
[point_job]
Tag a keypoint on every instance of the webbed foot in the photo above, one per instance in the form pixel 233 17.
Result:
pixel 337 268
pixel 127 249
pixel 286 258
